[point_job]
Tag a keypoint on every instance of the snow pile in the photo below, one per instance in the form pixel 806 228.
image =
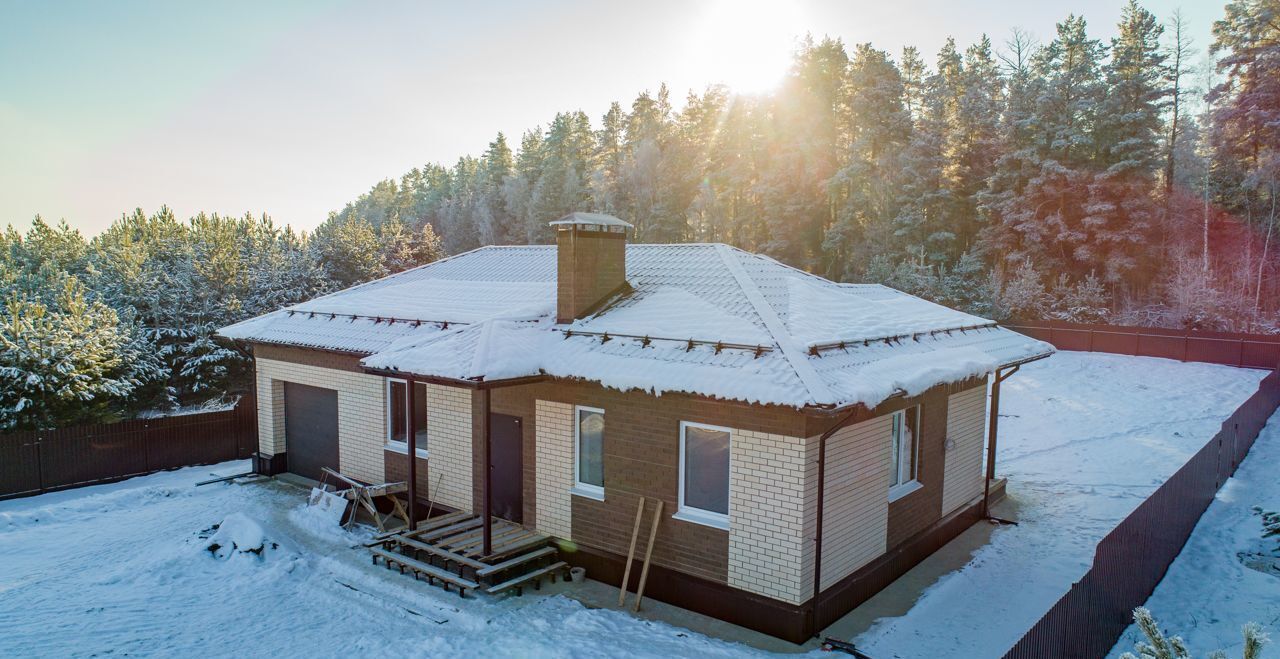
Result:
pixel 237 534
pixel 1228 573
pixel 322 523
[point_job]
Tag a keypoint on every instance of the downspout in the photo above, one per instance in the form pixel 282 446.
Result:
pixel 486 461
pixel 992 423
pixel 411 434
pixel 822 478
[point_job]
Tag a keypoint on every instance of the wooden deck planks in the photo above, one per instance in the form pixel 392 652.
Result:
pixel 454 543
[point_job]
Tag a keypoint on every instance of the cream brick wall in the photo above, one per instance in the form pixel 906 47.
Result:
pixel 772 488
pixel 966 434
pixel 361 413
pixel 449 445
pixel 855 523
pixel 553 461
pixel 270 414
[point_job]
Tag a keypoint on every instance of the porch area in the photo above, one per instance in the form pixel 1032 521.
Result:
pixel 450 550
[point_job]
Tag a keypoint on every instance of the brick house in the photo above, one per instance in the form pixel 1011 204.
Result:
pixel 811 440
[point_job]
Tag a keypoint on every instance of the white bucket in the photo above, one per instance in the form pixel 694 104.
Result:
pixel 577 574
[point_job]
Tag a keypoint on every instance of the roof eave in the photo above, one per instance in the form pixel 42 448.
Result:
pixel 831 410
pixel 466 383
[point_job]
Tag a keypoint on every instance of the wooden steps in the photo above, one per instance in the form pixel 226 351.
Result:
pixel 393 559
pixel 535 577
pixel 449 549
pixel 437 552
pixel 515 562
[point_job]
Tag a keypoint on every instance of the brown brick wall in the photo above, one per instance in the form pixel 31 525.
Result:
pixel 309 357
pixel 917 511
pixel 397 469
pixel 641 458
pixel 589 265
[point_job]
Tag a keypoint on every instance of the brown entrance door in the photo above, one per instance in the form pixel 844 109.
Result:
pixel 310 429
pixel 506 467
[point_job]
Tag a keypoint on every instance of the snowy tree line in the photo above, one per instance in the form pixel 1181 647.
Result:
pixel 98 330
pixel 1071 179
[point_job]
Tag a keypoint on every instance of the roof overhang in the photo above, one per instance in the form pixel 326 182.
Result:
pixel 458 382
pixel 832 410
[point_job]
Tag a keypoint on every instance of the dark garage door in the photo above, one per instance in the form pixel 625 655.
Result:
pixel 310 429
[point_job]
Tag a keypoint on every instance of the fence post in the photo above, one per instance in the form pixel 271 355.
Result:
pixel 1090 339
pixel 39 464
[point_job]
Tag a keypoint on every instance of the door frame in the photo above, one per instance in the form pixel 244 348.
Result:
pixel 495 455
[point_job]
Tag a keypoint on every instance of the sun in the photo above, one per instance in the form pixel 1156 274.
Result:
pixel 746 44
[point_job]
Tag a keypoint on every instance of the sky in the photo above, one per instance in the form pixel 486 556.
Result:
pixel 294 108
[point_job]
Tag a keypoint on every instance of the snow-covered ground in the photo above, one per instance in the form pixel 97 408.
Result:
pixel 124 568
pixel 1084 438
pixel 1209 591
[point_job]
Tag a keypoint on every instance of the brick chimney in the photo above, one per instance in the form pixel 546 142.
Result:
pixel 591 262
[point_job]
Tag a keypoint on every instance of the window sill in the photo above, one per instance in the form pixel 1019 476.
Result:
pixel 714 520
pixel 587 491
pixel 403 449
pixel 898 491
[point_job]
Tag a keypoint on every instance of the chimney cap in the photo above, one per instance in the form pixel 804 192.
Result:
pixel 605 222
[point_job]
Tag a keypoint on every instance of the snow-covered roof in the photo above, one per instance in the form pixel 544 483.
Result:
pixel 704 319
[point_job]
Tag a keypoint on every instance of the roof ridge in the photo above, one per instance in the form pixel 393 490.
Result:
pixel 795 356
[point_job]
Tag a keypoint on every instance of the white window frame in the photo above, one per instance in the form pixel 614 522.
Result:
pixel 905 486
pixel 698 515
pixel 390 443
pixel 589 490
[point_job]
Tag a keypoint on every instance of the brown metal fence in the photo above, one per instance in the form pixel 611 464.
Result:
pixel 1133 558
pixel 33 462
pixel 1230 348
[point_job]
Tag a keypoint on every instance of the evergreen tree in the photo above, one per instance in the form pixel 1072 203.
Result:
pixel 1122 209
pixel 68 363
pixel 865 190
pixel 348 253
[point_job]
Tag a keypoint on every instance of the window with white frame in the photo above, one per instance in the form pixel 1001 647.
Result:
pixel 905 451
pixel 588 479
pixel 398 415
pixel 704 474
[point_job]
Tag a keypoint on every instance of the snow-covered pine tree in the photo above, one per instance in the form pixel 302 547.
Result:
pixel 1122 211
pixel 347 252
pixel 1160 646
pixel 68 363
pixel 867 186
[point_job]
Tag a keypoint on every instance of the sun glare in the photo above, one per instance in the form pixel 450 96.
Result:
pixel 747 44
